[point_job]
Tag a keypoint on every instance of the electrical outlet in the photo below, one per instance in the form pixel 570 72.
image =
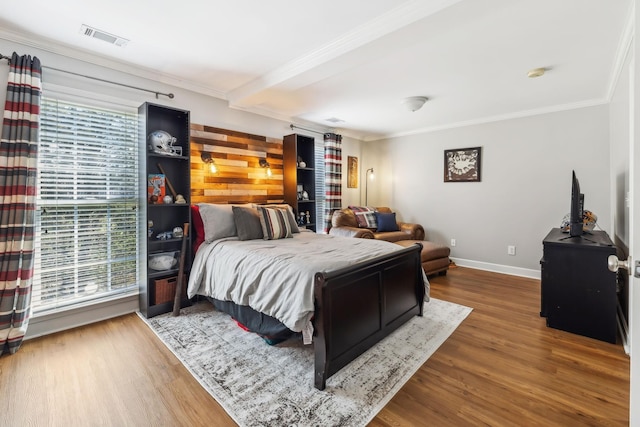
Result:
pixel 453 242
pixel 511 250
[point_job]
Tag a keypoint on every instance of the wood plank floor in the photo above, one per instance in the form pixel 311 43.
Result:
pixel 502 366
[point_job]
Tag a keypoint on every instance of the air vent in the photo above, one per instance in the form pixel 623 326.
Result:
pixel 102 35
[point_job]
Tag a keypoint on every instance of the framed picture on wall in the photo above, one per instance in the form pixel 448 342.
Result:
pixel 462 164
pixel 352 172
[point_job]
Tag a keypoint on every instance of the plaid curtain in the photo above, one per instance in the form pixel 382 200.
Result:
pixel 332 176
pixel 18 173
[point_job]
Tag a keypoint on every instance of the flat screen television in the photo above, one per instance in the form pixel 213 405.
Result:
pixel 577 208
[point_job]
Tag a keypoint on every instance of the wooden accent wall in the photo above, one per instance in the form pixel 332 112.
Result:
pixel 239 178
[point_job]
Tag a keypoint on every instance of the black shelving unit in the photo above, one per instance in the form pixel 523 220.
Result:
pixel 165 217
pixel 299 178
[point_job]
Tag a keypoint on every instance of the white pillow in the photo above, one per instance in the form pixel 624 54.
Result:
pixel 218 221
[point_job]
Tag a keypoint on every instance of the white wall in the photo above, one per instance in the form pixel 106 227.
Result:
pixel 525 187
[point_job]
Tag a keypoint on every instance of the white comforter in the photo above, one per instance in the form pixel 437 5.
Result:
pixel 276 277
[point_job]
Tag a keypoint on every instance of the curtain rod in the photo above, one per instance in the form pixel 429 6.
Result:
pixel 292 126
pixel 168 95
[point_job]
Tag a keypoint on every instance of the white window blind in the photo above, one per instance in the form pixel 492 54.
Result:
pixel 88 205
pixel 320 196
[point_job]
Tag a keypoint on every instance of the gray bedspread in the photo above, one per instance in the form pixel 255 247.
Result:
pixel 276 277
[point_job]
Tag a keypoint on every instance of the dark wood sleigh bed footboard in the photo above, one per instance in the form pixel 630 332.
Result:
pixel 358 306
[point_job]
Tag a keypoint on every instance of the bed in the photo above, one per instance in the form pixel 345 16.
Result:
pixel 343 295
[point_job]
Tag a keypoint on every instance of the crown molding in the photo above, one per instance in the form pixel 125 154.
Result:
pixel 101 61
pixel 498 118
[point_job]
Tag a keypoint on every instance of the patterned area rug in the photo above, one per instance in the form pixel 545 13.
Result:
pixel 262 385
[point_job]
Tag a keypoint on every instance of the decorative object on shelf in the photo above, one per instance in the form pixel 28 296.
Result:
pixel 301 218
pixel 462 164
pixel 299 191
pixel 207 159
pixel 168 182
pixel 150 228
pixel 352 167
pixel 161 142
pixel 167 200
pixel 305 195
pixel 308 215
pixel 163 261
pixel 155 187
pixel 180 200
pixel 301 163
pixel 177 232
pixel 265 164
pixel 368 176
pixel 165 235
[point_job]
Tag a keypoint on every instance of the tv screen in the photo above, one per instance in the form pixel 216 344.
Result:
pixel 577 208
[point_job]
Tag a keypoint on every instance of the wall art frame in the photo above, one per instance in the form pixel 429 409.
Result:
pixel 463 164
pixel 352 172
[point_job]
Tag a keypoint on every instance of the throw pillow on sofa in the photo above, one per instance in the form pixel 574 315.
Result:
pixel 365 216
pixel 386 222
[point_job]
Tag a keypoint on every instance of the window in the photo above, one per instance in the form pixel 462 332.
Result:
pixel 87 220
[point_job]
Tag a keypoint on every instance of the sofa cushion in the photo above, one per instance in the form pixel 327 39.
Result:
pixel 391 236
pixel 386 222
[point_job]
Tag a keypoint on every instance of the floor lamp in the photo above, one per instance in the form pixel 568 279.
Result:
pixel 367 177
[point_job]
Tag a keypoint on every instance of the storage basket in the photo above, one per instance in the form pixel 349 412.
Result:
pixel 165 289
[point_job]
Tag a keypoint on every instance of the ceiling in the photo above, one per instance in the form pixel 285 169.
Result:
pixel 315 62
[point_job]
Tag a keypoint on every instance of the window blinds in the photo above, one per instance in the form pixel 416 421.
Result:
pixel 88 196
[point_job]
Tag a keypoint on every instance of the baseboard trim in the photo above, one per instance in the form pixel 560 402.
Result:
pixel 498 268
pixel 50 323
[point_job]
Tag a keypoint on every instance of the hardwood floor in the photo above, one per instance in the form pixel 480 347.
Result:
pixel 502 366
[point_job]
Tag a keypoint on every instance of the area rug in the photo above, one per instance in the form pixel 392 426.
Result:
pixel 262 385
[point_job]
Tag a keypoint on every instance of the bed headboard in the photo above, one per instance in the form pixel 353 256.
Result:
pixel 240 178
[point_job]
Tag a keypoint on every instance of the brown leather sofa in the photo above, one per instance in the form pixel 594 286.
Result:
pixel 434 257
pixel 343 223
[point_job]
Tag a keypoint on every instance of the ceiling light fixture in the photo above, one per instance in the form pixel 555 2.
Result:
pixel 536 72
pixel 414 103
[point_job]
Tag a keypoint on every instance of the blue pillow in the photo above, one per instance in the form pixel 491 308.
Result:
pixel 387 221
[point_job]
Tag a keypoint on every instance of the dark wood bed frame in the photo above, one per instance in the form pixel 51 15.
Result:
pixel 357 306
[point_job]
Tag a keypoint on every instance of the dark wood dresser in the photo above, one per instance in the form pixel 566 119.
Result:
pixel 578 292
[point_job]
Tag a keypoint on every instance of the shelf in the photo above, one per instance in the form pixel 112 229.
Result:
pixel 165 217
pixel 165 156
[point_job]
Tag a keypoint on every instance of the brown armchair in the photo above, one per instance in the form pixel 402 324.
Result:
pixel 344 223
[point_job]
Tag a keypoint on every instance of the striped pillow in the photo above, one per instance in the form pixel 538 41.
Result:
pixel 275 223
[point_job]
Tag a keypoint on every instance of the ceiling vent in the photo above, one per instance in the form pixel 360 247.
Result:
pixel 101 35
pixel 334 120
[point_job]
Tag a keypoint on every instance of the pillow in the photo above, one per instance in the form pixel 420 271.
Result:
pixel 363 222
pixel 290 216
pixel 275 224
pixel 367 219
pixel 218 221
pixel 247 222
pixel 198 228
pixel 387 221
